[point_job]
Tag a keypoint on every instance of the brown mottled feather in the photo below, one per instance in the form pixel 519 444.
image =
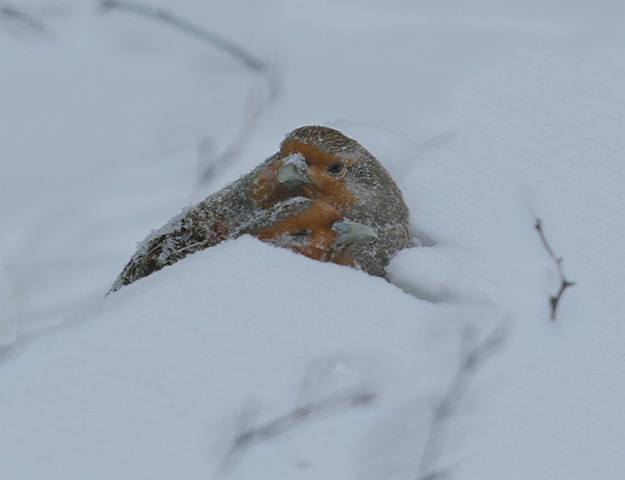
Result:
pixel 364 193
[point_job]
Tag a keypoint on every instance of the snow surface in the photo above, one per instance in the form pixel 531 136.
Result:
pixel 488 117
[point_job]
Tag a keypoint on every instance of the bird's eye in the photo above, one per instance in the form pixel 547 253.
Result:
pixel 335 168
pixel 300 233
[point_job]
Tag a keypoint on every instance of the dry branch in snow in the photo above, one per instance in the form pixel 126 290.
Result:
pixel 187 27
pixel 210 162
pixel 20 17
pixel 554 300
pixel 472 357
pixel 257 104
pixel 247 436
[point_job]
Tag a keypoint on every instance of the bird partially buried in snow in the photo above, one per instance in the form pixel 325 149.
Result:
pixel 310 227
pixel 317 163
pixel 323 164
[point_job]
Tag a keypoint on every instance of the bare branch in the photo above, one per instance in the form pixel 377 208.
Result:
pixel 554 300
pixel 187 27
pixel 29 21
pixel 290 420
pixel 471 359
pixel 238 142
pixel 209 162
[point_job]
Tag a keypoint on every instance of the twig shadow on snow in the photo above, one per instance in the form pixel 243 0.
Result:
pixel 210 162
pixel 414 441
pixel 248 434
pixel 21 20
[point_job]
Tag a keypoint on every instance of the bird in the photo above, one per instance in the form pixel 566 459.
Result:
pixel 200 226
pixel 309 227
pixel 312 228
pixel 322 163
pixel 314 162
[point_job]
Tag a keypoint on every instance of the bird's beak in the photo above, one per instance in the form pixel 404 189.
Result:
pixel 348 232
pixel 293 171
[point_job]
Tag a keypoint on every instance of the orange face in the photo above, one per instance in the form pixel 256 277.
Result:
pixel 324 178
pixel 326 172
pixel 310 233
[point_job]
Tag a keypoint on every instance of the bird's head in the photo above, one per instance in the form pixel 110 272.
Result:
pixel 318 163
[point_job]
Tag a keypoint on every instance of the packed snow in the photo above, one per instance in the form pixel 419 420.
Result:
pixel 488 117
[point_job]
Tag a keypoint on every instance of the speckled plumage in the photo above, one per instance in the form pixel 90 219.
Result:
pixel 215 219
pixel 362 191
pixel 299 224
pixel 312 228
pixel 377 201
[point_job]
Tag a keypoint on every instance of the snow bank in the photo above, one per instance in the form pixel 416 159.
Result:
pixel 153 383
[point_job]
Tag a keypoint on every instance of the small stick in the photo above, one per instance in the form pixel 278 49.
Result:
pixel 554 300
pixel 187 27
pixel 9 12
pixel 473 356
pixel 283 423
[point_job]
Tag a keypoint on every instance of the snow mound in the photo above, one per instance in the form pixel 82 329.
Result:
pixel 152 385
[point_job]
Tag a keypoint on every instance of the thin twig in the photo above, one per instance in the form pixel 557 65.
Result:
pixel 208 168
pixel 290 420
pixel 242 136
pixel 187 27
pixel 472 358
pixel 9 12
pixel 554 300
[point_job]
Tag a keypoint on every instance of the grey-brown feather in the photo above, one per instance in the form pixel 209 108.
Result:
pixel 215 219
pixel 379 201
pixel 232 212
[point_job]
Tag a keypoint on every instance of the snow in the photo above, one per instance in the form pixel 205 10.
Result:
pixel 487 117
pixel 295 159
pixel 162 368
